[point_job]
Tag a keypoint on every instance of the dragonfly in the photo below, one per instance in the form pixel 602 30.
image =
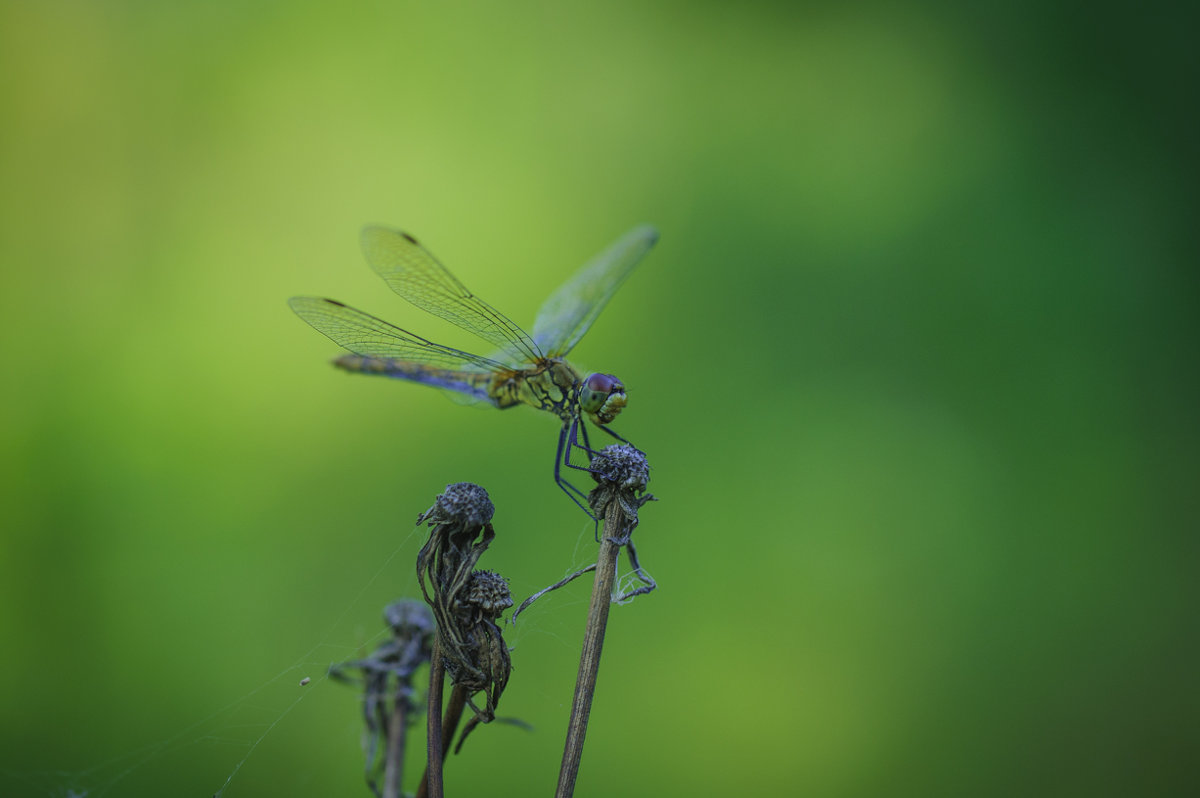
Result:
pixel 524 370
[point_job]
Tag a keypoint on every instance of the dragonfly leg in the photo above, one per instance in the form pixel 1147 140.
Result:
pixel 573 443
pixel 569 437
pixel 615 435
pixel 559 459
pixel 587 445
pixel 647 581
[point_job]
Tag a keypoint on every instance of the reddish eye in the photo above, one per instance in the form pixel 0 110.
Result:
pixel 602 383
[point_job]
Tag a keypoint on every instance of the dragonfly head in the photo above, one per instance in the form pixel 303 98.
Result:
pixel 601 396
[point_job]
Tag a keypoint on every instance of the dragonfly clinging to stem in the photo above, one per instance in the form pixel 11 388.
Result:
pixel 526 370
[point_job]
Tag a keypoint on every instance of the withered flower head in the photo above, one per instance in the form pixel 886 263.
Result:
pixel 622 466
pixel 408 618
pixel 465 602
pixel 486 596
pixel 621 473
pixel 386 677
pixel 463 503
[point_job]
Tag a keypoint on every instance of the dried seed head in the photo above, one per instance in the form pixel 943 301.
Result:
pixel 488 593
pixel 623 466
pixel 466 602
pixel 621 473
pixel 408 618
pixel 461 503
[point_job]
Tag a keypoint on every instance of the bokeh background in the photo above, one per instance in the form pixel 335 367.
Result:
pixel 913 363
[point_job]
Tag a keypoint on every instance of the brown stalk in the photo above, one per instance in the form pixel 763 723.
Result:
pixel 454 711
pixel 435 755
pixel 393 774
pixel 621 473
pixel 589 657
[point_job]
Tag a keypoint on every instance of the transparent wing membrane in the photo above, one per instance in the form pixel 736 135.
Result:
pixel 368 336
pixel 413 273
pixel 570 311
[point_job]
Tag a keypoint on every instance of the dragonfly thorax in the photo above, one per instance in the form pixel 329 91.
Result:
pixel 602 397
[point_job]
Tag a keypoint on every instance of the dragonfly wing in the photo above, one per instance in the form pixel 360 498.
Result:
pixel 386 349
pixel 570 311
pixel 413 273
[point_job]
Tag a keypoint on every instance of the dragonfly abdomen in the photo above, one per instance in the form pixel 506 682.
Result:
pixel 474 385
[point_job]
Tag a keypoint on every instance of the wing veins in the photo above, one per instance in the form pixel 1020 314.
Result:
pixel 417 276
pixel 570 311
pixel 370 336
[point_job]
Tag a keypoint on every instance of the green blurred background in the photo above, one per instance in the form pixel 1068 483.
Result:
pixel 913 363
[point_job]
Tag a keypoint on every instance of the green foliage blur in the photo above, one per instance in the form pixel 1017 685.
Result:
pixel 913 362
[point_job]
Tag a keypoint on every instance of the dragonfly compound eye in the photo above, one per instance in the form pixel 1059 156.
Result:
pixel 603 396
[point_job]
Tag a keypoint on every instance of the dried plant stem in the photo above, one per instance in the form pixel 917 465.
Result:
pixel 393 775
pixel 593 643
pixel 437 678
pixel 454 711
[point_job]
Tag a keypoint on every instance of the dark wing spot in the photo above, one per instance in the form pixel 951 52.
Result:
pixel 335 302
pixel 410 239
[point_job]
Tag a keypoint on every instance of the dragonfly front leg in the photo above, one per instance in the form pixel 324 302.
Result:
pixel 615 435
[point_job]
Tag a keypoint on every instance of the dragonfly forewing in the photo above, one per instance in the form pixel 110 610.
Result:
pixel 412 272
